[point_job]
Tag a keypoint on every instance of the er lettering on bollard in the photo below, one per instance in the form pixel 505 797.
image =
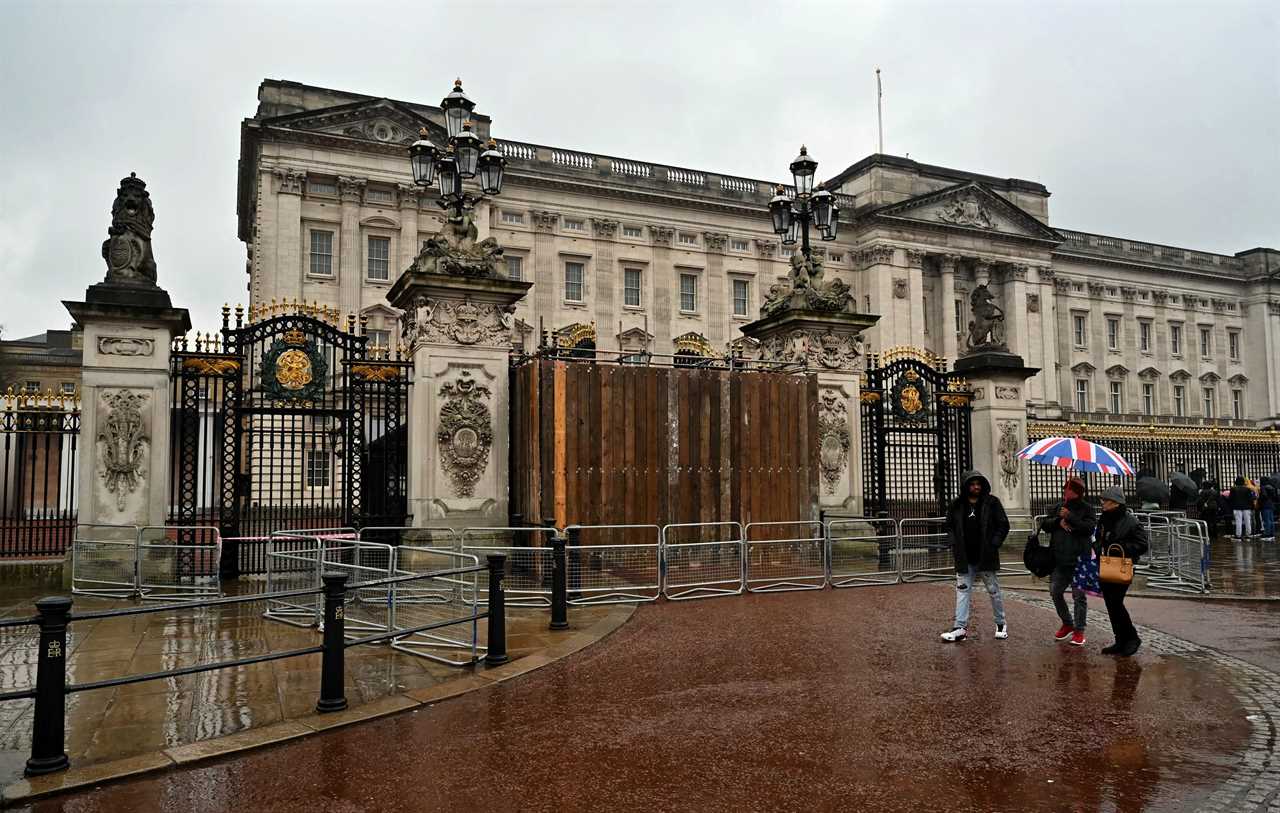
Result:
pixel 48 728
pixel 333 693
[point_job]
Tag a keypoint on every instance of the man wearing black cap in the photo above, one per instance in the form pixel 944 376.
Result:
pixel 1070 526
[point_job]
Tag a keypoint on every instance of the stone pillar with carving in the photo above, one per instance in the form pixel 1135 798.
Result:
pixel 813 322
pixel 999 423
pixel 457 321
pixel 129 323
pixel 880 289
pixel 947 274
pixel 719 297
pixel 606 276
pixel 286 281
pixel 1015 308
pixel 1045 387
pixel 915 296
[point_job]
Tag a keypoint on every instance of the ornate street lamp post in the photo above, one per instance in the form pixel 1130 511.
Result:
pixel 464 157
pixel 793 215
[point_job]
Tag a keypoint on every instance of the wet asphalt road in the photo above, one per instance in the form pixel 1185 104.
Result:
pixel 832 700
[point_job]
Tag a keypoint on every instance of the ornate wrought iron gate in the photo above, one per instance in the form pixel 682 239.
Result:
pixel 915 434
pixel 287 422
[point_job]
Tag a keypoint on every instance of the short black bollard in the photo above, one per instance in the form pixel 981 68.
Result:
pixel 559 585
pixel 333 693
pixel 48 730
pixel 496 651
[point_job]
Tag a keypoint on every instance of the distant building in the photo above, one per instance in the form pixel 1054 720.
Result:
pixel 47 362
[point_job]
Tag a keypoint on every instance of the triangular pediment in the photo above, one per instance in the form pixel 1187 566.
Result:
pixel 1210 378
pixel 1149 373
pixel 1238 380
pixel 635 334
pixel 972 207
pixel 1083 368
pixel 379 120
pixel 1179 375
pixel 1117 371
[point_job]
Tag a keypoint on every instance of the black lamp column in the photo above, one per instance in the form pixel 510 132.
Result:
pixel 793 215
pixel 464 157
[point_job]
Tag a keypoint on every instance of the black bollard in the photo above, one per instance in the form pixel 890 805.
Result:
pixel 48 754
pixel 333 693
pixel 497 647
pixel 559 585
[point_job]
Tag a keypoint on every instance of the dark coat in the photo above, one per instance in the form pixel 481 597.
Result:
pixel 1069 544
pixel 1241 498
pixel 993 525
pixel 1127 533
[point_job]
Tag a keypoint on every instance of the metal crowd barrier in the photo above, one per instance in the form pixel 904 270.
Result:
pixel 785 556
pixel 712 565
pixel 1185 568
pixel 155 562
pixel 925 553
pixel 368 609
pixel 433 599
pixel 862 551
pixel 613 572
pixel 293 564
pixel 104 561
pixel 528 578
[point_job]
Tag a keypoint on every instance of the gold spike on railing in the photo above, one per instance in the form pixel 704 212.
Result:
pixel 239 315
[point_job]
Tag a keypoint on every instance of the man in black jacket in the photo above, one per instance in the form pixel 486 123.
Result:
pixel 1241 500
pixel 976 528
pixel 1070 525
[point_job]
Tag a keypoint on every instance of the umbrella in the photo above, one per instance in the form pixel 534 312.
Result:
pixel 1076 453
pixel 1151 490
pixel 1185 484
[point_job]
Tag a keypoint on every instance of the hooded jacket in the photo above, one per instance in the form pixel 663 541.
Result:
pixel 993 526
pixel 1070 542
pixel 1121 528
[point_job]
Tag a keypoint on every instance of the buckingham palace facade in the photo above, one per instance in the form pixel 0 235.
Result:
pixel 646 257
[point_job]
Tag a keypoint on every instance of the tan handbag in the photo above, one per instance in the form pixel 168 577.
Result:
pixel 1115 569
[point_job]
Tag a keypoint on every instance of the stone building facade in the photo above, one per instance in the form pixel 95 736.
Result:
pixel 641 256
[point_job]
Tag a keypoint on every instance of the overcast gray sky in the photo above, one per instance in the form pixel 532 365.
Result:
pixel 1151 120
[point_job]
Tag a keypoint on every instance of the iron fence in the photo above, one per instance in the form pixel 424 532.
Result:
pixel 39 467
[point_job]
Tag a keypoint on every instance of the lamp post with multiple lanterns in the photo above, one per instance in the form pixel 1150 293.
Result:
pixel 464 157
pixel 793 215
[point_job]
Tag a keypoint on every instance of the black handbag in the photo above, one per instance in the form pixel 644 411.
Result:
pixel 1037 558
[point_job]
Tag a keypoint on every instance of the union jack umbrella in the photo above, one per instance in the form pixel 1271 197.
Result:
pixel 1076 453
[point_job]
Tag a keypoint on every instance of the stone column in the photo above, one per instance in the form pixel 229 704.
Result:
pixel 408 226
pixel 999 423
pixel 544 268
pixel 719 297
pixel 947 270
pixel 1015 309
pixel 606 278
pixel 664 284
pixel 1047 388
pixel 879 284
pixel 286 281
pixel 458 330
pixel 915 298
pixel 350 267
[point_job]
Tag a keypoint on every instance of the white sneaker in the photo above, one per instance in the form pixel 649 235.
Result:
pixel 957 634
pixel 1002 631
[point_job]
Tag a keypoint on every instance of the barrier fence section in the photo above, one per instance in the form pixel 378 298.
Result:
pixel 703 560
pixel 925 552
pixel 104 561
pixel 862 551
pixel 528 552
pixel 1185 567
pixel 292 562
pixel 436 599
pixel 154 563
pixel 784 556
pixel 367 609
pixel 603 569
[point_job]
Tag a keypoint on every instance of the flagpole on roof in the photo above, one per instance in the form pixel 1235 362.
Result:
pixel 879 114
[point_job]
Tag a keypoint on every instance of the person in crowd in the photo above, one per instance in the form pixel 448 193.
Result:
pixel 1207 507
pixel 1267 497
pixel 1070 525
pixel 1240 500
pixel 1118 526
pixel 976 528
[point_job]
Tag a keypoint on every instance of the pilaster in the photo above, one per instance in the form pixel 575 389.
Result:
pixel 606 275
pixel 286 278
pixel 947 274
pixel 409 202
pixel 664 277
pixel 915 297
pixel 350 267
pixel 718 296
pixel 1015 308
pixel 544 259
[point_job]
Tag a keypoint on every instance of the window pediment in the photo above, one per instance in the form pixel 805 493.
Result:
pixel 1210 378
pixel 1117 371
pixel 1179 375
pixel 1148 373
pixel 1238 380
pixel 1083 368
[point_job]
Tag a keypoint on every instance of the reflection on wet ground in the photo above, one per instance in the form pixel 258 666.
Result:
pixel 143 717
pixel 835 699
pixel 1250 568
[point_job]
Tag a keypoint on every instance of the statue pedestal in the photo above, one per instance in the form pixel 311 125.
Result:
pixel 125 394
pixel 459 332
pixel 999 422
pixel 829 345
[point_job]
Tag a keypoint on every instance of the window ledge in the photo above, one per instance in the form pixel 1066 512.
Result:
pixel 633 307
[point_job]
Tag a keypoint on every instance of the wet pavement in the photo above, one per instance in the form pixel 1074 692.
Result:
pixel 1248 568
pixel 108 724
pixel 823 700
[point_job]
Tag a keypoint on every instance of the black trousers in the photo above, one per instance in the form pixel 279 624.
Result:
pixel 1121 624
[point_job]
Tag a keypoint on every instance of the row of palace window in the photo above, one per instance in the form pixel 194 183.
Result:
pixel 629 231
pixel 1115 399
pixel 1080 337
pixel 377 258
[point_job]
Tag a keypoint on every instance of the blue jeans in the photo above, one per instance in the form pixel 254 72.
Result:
pixel 1268 520
pixel 964 587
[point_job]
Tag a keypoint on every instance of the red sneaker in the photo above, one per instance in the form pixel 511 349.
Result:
pixel 1064 632
pixel 1077 638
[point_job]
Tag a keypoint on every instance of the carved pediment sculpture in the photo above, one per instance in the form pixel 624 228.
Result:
pixel 970 205
pixel 379 120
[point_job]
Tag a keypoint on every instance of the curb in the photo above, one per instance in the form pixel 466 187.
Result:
pixel 79 778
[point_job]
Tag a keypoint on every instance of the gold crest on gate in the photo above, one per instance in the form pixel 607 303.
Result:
pixel 293 369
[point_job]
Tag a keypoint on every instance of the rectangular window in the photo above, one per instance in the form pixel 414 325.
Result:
pixel 631 279
pixel 322 188
pixel 633 231
pixel 1148 399
pixel 1079 330
pixel 1082 395
pixel 573 281
pixel 317 468
pixel 373 195
pixel 741 297
pixel 688 239
pixel 380 258
pixel 1175 340
pixel 31 386
pixel 1209 402
pixel 574 224
pixel 321 253
pixel 515 267
pixel 378 338
pixel 1113 333
pixel 688 293
pixel 1233 344
pixel 739 245
pixel 512 218
pixel 1117 397
pixel 1144 337
pixel 1180 401
pixel 959 309
pixel 1206 342
pixel 837 257
pixel 1237 404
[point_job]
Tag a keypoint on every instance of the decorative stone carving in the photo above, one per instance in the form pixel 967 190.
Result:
pixel 464 433
pixel 604 228
pixel 979 393
pixel 293 369
pixel 1017 272
pixel 833 351
pixel 291 181
pixel 123 435
pixel 1096 289
pixel 986 329
pixel 900 289
pixel 967 210
pixel 915 258
pixel 125 346
pixel 544 221
pixel 351 189
pixel 1128 293
pixel 459 252
pixel 1007 393
pixel 661 235
pixel 875 255
pixel 1033 303
pixel 834 438
pixel 1062 286
pixel 766 248
pixel 1160 297
pixel 1219 305
pixel 127 248
pixel 1007 448
pixel 456 322
pixel 715 241
pixel 409 196
pixel 805 288
pixel 1045 273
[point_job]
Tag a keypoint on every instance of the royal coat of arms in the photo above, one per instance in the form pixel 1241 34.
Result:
pixel 293 369
pixel 909 397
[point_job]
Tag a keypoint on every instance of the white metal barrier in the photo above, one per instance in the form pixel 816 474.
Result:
pixel 785 556
pixel 179 562
pixel 104 561
pixel 293 563
pixel 1185 568
pixel 435 599
pixel 862 551
pixel 366 609
pixel 703 560
pixel 925 552
pixel 528 551
pixel 604 569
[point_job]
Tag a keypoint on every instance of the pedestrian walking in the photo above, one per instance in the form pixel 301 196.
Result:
pixel 1118 526
pixel 976 528
pixel 1267 497
pixel 1240 499
pixel 1070 526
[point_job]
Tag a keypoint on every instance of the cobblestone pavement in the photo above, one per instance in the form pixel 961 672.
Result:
pixel 805 701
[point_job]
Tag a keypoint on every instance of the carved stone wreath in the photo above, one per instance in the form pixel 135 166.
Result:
pixel 465 432
pixel 1007 449
pixel 833 437
pixel 124 440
